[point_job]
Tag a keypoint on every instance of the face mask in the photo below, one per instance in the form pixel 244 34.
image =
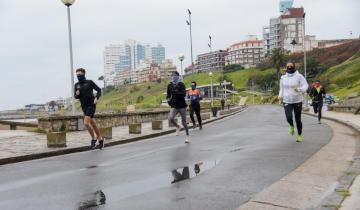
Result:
pixel 81 78
pixel 193 87
pixel 290 70
pixel 176 79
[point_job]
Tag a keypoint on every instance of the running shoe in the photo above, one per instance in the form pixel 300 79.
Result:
pixel 101 144
pixel 299 138
pixel 292 130
pixel 200 126
pixel 319 121
pixel 187 140
pixel 93 144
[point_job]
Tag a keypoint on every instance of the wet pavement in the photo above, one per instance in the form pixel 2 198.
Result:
pixel 225 165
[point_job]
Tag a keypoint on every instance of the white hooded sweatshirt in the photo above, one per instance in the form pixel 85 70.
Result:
pixel 288 84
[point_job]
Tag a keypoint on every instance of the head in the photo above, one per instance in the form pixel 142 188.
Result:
pixel 80 73
pixel 317 83
pixel 290 67
pixel 175 77
pixel 197 168
pixel 193 85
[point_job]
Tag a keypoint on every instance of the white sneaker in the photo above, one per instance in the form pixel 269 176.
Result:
pixel 178 131
pixel 187 140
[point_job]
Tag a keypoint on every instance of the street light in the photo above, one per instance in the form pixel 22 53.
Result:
pixel 181 59
pixel 210 43
pixel 68 3
pixel 212 89
pixel 304 48
pixel 189 23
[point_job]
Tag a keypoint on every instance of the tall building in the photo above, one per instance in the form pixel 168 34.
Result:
pixel 247 53
pixel 129 56
pixel 158 54
pixel 291 29
pixel 286 31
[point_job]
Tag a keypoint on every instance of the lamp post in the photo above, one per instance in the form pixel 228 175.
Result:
pixel 304 48
pixel 210 43
pixel 68 3
pixel 189 23
pixel 293 43
pixel 212 89
pixel 181 59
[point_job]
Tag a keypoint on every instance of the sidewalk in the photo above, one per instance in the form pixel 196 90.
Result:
pixel 353 201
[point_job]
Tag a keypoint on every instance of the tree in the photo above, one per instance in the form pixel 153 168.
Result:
pixel 278 59
pixel 102 78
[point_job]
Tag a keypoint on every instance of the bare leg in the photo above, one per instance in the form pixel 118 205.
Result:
pixel 96 129
pixel 87 124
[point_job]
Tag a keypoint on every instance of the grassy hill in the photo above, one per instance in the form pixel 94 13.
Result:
pixel 344 79
pixel 341 80
pixel 150 95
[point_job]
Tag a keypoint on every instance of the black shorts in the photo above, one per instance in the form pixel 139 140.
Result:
pixel 89 111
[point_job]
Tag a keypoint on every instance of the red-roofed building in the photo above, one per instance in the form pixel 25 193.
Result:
pixel 246 53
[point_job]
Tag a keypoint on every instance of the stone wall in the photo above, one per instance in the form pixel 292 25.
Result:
pixel 343 108
pixel 75 123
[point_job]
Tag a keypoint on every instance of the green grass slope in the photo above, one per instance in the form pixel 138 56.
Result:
pixel 344 79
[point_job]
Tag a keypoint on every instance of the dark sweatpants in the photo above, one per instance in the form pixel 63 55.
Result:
pixel 195 109
pixel 296 108
pixel 318 108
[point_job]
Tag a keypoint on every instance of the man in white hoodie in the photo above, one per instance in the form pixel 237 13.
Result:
pixel 292 86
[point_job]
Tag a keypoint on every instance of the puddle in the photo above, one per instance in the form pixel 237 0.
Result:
pixel 97 199
pixel 163 180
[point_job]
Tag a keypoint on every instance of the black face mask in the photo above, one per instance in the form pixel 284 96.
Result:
pixel 81 78
pixel 290 70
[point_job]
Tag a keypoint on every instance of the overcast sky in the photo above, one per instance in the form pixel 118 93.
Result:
pixel 34 57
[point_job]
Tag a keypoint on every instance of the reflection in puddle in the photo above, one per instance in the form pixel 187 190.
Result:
pixel 186 174
pixel 154 183
pixel 98 199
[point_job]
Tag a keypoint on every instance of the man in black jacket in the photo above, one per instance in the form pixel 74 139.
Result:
pixel 84 92
pixel 317 93
pixel 176 93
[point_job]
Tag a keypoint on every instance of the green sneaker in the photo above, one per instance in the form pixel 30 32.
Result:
pixel 299 138
pixel 292 130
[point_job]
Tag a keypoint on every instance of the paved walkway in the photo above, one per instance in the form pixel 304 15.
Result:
pixel 352 202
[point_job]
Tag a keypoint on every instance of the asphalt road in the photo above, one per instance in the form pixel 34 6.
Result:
pixel 225 165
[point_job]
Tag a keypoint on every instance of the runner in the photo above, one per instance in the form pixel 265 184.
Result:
pixel 292 85
pixel 84 91
pixel 195 97
pixel 317 93
pixel 176 94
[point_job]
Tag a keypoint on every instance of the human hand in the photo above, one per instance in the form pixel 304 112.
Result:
pixel 95 101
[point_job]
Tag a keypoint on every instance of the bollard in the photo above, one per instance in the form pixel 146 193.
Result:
pixel 56 139
pixel 106 132
pixel 135 128
pixel 157 125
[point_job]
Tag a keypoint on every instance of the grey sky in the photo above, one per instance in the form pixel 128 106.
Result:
pixel 34 61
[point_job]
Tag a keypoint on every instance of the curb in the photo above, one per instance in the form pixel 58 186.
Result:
pixel 36 156
pixel 334 200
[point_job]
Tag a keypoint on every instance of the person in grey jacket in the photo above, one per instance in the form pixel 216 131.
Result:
pixel 292 86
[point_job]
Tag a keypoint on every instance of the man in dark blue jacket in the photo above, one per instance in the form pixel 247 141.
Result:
pixel 176 93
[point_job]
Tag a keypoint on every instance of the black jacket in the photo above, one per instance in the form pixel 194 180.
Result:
pixel 86 92
pixel 317 96
pixel 176 94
